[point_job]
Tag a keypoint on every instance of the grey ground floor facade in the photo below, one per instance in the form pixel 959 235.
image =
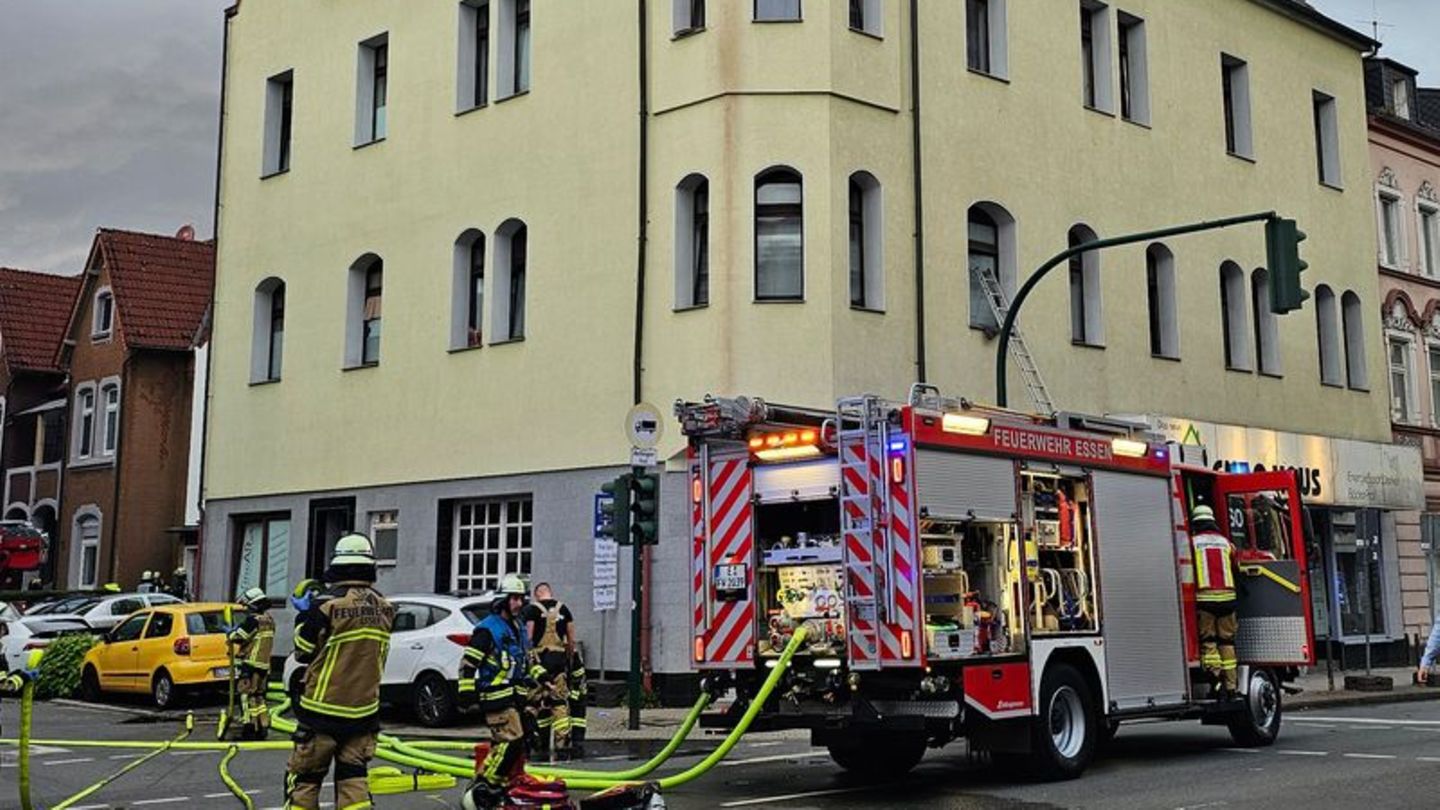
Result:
pixel 461 536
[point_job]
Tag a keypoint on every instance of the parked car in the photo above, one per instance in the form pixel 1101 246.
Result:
pixel 422 670
pixel 63 604
pixel 164 652
pixel 106 612
pixel 19 636
pixel 8 612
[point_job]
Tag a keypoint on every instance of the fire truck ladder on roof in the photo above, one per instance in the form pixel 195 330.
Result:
pixel 1019 351
pixel 858 426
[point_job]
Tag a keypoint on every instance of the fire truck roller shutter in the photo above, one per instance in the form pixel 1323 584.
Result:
pixel 1139 590
pixel 955 485
pixel 811 480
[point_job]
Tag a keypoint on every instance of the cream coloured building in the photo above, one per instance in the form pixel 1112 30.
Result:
pixel 476 177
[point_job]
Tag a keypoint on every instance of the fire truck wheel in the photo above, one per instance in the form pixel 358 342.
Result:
pixel 1259 723
pixel 879 756
pixel 1067 732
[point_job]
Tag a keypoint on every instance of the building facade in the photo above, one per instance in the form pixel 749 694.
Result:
pixel 814 193
pixel 1405 160
pixel 129 349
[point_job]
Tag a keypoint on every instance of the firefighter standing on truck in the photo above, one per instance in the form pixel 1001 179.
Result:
pixel 342 643
pixel 1215 598
pixel 551 627
pixel 254 640
pixel 495 671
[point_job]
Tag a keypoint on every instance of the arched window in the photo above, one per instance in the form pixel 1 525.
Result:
pixel 467 297
pixel 267 341
pixel 1327 332
pixel 692 242
pixel 1267 337
pixel 1357 375
pixel 512 249
pixel 362 331
pixel 86 541
pixel 992 248
pixel 1160 294
pixel 1233 318
pixel 779 236
pixel 867 242
pixel 1087 326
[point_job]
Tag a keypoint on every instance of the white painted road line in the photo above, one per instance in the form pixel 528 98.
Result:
pixel 1311 725
pixel 1241 750
pixel 1370 756
pixel 1427 759
pixel 765 744
pixel 793 796
pixel 1304 753
pixel 126 756
pixel 75 761
pixel 775 758
pixel 1375 721
pixel 169 800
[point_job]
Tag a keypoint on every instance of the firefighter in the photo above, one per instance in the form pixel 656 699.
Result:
pixel 341 643
pixel 1215 597
pixel 495 671
pixel 551 628
pixel 579 686
pixel 253 640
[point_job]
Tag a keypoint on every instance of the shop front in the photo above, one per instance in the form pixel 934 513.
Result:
pixel 1361 498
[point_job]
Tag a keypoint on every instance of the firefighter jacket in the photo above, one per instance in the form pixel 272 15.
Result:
pixel 343 642
pixel 254 641
pixel 495 668
pixel 1214 567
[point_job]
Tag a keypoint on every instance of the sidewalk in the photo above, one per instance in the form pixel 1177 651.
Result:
pixel 1317 692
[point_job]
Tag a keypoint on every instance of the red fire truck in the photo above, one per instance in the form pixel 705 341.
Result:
pixel 1024 583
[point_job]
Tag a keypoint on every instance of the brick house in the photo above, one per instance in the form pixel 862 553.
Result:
pixel 34 311
pixel 130 347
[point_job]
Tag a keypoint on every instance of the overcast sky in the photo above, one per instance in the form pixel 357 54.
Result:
pixel 108 111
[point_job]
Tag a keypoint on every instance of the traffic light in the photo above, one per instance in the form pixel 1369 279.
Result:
pixel 645 508
pixel 615 516
pixel 1282 249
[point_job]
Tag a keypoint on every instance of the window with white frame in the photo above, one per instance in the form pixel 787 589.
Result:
pixel 986 48
pixel 865 15
pixel 1392 233
pixel 103 321
pixel 777 10
pixel 261 556
pixel 1160 295
pixel 279 118
pixel 1233 318
pixel 1400 354
pixel 385 534
pixel 372 90
pixel 1267 331
pixel 492 538
pixel 1327 330
pixel 1235 89
pixel 84 441
pixel 467 308
pixel 991 248
pixel 110 418
pixel 1400 97
pixel 365 292
pixel 472 70
pixel 1086 325
pixel 1429 214
pixel 1327 138
pixel 1432 356
pixel 512 261
pixel 512 73
pixel 1134 69
pixel 692 242
pixel 267 342
pixel 779 236
pixel 867 242
pixel 687 16
pixel 1352 317
pixel 1095 56
pixel 87 530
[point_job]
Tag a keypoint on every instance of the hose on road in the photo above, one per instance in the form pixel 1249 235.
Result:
pixel 230 780
pixel 70 802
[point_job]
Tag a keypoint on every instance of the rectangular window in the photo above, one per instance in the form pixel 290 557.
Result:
pixel 372 90
pixel 381 93
pixel 85 423
pixel 476 296
pixel 522 46
pixel 1434 358
pixel 857 245
pixel 519 248
pixel 777 10
pixel 374 291
pixel 1152 298
pixel 104 314
pixel 276 354
pixel 279 115
pixel 1390 244
pixel 472 83
pixel 385 532
pixel 1402 403
pixel 1327 139
pixel 1430 240
pixel 687 15
pixel 1235 83
pixel 1134 70
pixel 865 16
pixel 1095 55
pixel 110 397
pixel 1359 575
pixel 262 554
pixel 52 449
pixel 977 35
pixel 984 254
pixel 89 551
pixel 1400 98
pixel 700 245
pixel 779 237
pixel 492 538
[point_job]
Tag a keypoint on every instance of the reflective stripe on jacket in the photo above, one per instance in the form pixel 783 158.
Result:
pixel 493 667
pixel 255 641
pixel 1214 567
pixel 344 643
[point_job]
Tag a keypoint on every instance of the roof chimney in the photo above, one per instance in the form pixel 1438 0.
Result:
pixel 186 233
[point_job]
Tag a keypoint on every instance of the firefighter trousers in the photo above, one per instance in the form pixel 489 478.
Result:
pixel 1217 628
pixel 253 707
pixel 552 716
pixel 310 761
pixel 507 747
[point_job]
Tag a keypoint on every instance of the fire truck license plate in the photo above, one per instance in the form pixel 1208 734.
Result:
pixel 731 579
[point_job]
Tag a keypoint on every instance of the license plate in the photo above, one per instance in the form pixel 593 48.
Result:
pixel 731 577
pixel 221 672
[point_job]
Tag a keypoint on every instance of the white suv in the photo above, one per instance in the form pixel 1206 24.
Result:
pixel 422 670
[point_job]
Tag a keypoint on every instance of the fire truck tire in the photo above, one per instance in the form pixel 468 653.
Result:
pixel 1068 730
pixel 879 756
pixel 1258 725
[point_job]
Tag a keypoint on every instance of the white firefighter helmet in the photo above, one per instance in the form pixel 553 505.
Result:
pixel 353 549
pixel 1202 513
pixel 252 596
pixel 513 585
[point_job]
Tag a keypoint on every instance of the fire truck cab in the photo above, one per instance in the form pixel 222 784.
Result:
pixel 1024 583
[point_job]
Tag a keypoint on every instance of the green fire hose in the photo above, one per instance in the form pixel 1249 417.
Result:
pixel 230 780
pixel 189 727
pixel 27 716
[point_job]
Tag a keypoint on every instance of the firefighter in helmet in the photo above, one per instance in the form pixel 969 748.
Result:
pixel 496 672
pixel 341 643
pixel 1215 597
pixel 253 640
pixel 551 628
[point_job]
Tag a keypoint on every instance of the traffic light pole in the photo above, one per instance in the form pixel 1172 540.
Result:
pixel 637 596
pixel 1003 349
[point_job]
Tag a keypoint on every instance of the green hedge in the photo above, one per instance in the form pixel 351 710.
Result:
pixel 60 666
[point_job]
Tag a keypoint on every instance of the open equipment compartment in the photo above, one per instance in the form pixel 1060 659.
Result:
pixel 972 595
pixel 1056 509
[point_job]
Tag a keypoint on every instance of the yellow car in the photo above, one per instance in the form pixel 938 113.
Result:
pixel 163 651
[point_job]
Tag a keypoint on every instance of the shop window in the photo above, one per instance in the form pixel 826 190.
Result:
pixel 262 554
pixel 1327 329
pixel 492 538
pixel 1359 576
pixel 1086 325
pixel 1160 295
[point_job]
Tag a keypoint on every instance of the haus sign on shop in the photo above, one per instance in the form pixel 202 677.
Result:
pixel 1339 472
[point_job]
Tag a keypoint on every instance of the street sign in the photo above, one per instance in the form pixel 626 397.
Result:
pixel 644 425
pixel 644 457
pixel 601 499
pixel 606 575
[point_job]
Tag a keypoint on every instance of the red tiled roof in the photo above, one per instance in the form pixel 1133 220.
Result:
pixel 161 284
pixel 34 311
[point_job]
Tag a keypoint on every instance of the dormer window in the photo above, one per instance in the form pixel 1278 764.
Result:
pixel 104 320
pixel 1400 97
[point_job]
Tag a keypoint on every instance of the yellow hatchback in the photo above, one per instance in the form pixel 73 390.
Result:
pixel 163 651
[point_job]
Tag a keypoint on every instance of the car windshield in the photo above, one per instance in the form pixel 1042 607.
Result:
pixel 68 604
pixel 209 622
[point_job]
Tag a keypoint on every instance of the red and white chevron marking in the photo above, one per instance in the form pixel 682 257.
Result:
pixel 859 552
pixel 904 556
pixel 730 637
pixel 697 553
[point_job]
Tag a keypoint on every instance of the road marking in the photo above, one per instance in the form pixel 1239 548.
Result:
pixel 228 795
pixel 126 756
pixel 1375 721
pixel 766 744
pixel 170 800
pixel 1206 804
pixel 776 758
pixel 75 761
pixel 107 807
pixel 1428 759
pixel 194 754
pixel 1312 725
pixel 793 796
pixel 1294 753
pixel 611 758
pixel 1241 750
pixel 1370 756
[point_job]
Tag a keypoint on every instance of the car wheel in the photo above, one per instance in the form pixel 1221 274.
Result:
pixel 433 701
pixel 1066 732
pixel 1259 724
pixel 163 690
pixel 90 685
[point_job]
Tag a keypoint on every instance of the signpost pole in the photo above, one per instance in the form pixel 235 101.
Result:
pixel 637 594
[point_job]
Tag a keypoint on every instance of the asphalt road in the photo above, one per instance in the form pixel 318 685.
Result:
pixel 1372 757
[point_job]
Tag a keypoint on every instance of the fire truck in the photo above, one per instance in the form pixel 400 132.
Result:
pixel 1023 583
